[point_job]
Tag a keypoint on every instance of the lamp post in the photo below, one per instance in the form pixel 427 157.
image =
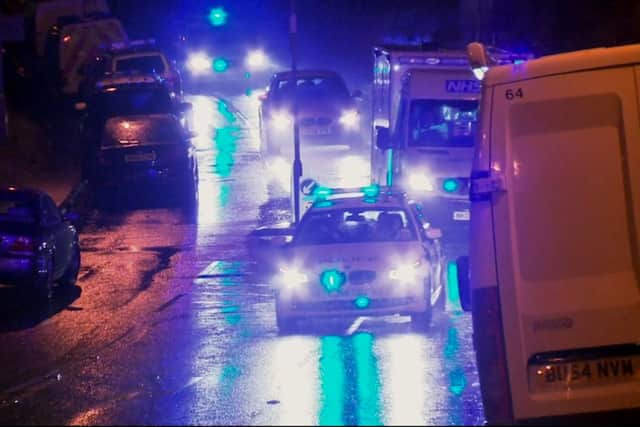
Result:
pixel 297 162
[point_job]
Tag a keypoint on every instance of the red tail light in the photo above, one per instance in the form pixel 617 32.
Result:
pixel 22 246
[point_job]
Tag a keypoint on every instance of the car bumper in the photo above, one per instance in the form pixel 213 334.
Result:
pixel 295 305
pixel 16 271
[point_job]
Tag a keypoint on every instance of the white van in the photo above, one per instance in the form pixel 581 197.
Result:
pixel 554 261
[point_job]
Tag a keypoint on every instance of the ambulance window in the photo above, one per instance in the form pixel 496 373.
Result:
pixel 442 123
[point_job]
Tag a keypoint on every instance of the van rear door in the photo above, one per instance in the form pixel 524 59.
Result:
pixel 566 233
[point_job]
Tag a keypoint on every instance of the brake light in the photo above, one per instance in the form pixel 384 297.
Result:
pixel 21 246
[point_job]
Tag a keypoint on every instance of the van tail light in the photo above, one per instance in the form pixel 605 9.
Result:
pixel 22 246
pixel 488 341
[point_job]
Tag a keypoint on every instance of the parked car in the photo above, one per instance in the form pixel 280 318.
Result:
pixel 123 95
pixel 135 56
pixel 328 114
pixel 38 244
pixel 360 253
pixel 147 150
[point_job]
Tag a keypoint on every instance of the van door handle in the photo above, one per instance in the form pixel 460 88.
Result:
pixel 484 184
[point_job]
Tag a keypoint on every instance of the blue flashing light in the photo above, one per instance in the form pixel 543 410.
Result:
pixel 450 185
pixel 371 200
pixel 332 280
pixel 220 65
pixel 371 190
pixel 218 16
pixel 324 204
pixel 362 302
pixel 322 192
pixel 518 61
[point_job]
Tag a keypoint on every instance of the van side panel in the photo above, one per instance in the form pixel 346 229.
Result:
pixel 565 229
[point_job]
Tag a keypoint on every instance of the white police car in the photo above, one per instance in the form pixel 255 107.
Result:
pixel 363 252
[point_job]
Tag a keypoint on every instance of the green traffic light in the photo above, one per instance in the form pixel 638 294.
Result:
pixel 450 185
pixel 218 16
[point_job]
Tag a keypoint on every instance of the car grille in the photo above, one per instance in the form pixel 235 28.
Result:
pixel 316 121
pixel 360 277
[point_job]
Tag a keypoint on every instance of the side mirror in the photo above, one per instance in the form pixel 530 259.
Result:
pixel 357 94
pixel 383 138
pixel 464 284
pixel 80 106
pixel 433 233
pixel 478 59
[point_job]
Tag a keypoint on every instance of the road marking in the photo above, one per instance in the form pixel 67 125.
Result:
pixel 355 325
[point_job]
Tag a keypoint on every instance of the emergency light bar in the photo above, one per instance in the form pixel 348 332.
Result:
pixel 132 43
pixel 433 60
pixel 320 193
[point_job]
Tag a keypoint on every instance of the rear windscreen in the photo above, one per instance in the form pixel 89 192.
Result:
pixel 143 64
pixel 141 130
pixel 17 208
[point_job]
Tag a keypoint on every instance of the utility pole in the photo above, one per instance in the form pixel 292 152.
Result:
pixel 297 162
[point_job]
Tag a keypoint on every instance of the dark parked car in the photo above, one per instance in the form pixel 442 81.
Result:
pixel 151 149
pixel 38 245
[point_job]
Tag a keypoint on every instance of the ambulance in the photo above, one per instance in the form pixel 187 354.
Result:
pixel 425 111
pixel 554 265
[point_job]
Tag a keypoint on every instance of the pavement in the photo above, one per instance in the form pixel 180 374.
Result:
pixel 29 159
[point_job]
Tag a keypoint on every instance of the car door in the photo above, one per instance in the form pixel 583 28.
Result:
pixel 59 232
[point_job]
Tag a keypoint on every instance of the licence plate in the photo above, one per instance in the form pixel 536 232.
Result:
pixel 461 216
pixel 583 373
pixel 140 157
pixel 314 130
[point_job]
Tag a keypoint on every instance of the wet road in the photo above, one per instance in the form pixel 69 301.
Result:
pixel 173 321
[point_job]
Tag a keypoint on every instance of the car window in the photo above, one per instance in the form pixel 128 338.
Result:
pixel 142 64
pixel 50 212
pixel 355 226
pixel 16 208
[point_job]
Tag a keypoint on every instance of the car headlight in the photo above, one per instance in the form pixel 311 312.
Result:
pixel 420 182
pixel 199 63
pixel 291 277
pixel 281 120
pixel 405 273
pixel 350 119
pixel 257 60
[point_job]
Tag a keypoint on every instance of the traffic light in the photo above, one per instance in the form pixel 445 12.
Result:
pixel 218 16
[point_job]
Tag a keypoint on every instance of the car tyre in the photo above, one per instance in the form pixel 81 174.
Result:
pixel 42 287
pixel 70 276
pixel 422 321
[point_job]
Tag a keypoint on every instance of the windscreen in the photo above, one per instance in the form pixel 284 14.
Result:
pixel 143 64
pixel 355 226
pixel 18 208
pixel 442 123
pixel 309 88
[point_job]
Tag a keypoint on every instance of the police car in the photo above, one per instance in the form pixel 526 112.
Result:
pixel 360 252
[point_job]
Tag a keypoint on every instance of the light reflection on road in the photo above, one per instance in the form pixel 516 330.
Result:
pixel 367 378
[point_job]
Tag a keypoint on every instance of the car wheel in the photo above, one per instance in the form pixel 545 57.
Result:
pixel 422 321
pixel 70 276
pixel 42 286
